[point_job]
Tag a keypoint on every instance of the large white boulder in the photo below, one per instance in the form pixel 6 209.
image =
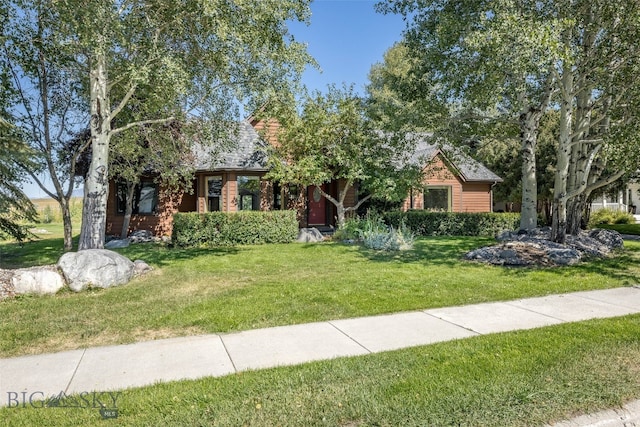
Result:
pixel 99 268
pixel 37 280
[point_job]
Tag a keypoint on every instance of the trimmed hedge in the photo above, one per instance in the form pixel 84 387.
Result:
pixel 427 223
pixel 234 228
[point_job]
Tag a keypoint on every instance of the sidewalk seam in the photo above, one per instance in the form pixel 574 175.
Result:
pixel 511 303
pixel 350 337
pixel 226 350
pixel 478 333
pixel 75 371
pixel 581 295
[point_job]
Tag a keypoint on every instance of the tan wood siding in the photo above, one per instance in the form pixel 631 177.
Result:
pixel 465 197
pixel 476 197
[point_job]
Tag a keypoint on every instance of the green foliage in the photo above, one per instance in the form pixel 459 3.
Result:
pixel 332 139
pixel 610 216
pixel 375 234
pixel 426 223
pixel 237 228
pixel 388 238
pixel 631 229
pixel 46 215
pixel 350 230
pixel 15 207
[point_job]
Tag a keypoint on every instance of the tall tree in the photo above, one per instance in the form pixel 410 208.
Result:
pixel 332 138
pixel 205 57
pixel 486 57
pixel 44 98
pixel 599 95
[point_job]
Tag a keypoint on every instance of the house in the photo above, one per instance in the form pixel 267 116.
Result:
pixel 626 200
pixel 453 181
pixel 234 181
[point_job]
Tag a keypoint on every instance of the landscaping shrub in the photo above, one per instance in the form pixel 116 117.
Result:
pixel 427 223
pixel 351 230
pixel 610 216
pixel 375 234
pixel 234 228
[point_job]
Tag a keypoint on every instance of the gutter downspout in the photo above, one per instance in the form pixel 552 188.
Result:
pixel 491 196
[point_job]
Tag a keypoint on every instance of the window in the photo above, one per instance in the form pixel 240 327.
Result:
pixel 294 192
pixel 277 196
pixel 437 198
pixel 248 193
pixel 214 193
pixel 145 198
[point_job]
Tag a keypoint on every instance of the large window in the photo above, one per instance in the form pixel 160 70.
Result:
pixel 145 198
pixel 437 198
pixel 248 193
pixel 214 193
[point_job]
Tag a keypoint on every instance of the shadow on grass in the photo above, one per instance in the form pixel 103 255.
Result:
pixel 159 255
pixel 623 265
pixel 440 250
pixel 449 251
pixel 43 251
pixel 47 251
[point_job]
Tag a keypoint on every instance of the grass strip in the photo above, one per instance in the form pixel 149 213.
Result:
pixel 512 379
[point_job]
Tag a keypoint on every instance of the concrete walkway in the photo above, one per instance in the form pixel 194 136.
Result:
pixel 123 366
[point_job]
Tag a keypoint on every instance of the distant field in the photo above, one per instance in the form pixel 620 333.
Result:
pixel 49 210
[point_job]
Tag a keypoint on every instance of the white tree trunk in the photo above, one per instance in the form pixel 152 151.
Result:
pixel 94 209
pixel 563 157
pixel 529 139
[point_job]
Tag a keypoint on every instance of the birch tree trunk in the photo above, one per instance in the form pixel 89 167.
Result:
pixel 563 157
pixel 575 213
pixel 94 209
pixel 529 121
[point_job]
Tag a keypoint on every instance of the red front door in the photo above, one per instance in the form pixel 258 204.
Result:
pixel 317 205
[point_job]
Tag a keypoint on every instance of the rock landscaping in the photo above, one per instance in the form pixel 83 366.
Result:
pixel 534 248
pixel 97 268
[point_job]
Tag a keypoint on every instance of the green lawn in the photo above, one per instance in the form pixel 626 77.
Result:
pixel 228 289
pixel 622 228
pixel 525 378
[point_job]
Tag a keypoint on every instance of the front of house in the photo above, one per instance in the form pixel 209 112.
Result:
pixel 235 181
pixel 453 181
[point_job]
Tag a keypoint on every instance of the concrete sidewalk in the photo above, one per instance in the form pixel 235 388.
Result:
pixel 123 366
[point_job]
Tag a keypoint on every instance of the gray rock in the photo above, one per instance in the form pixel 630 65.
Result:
pixel 563 256
pixel 142 234
pixel 95 267
pixel 534 247
pixel 309 235
pixel 117 244
pixel 140 267
pixel 610 238
pixel 37 280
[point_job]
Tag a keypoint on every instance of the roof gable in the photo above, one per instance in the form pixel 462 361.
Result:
pixel 467 168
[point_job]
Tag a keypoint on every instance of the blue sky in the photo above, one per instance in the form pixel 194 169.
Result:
pixel 346 37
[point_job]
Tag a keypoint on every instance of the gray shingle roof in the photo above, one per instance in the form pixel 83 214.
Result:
pixel 469 169
pixel 247 153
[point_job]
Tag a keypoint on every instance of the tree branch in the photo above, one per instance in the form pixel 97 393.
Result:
pixel 142 123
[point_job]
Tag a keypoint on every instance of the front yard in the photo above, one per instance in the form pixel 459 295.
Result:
pixel 517 378
pixel 200 291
